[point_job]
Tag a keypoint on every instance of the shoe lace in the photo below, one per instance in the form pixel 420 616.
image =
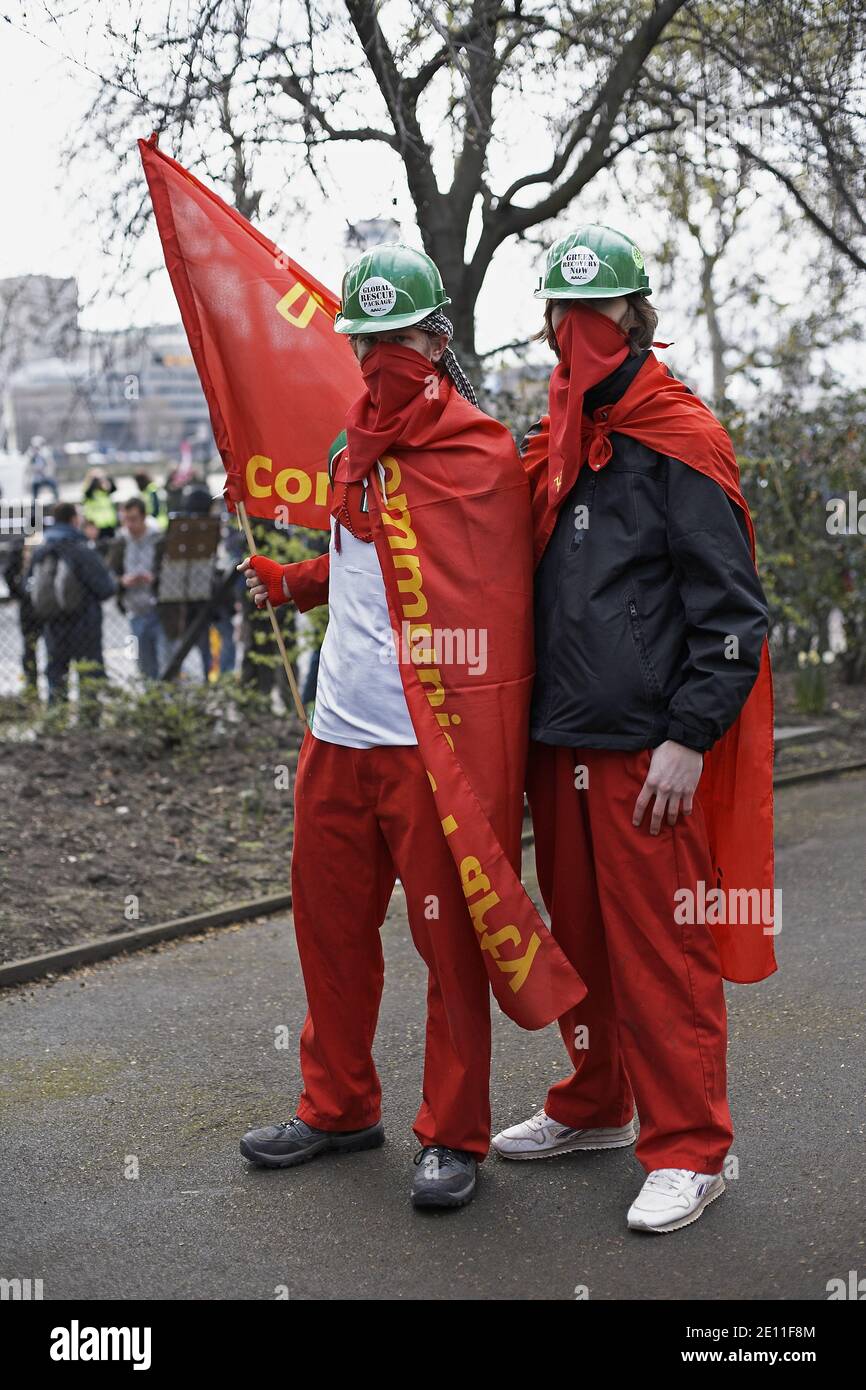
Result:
pixel 440 1151
pixel 669 1180
pixel 538 1120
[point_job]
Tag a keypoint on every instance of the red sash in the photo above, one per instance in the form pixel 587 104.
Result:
pixel 452 537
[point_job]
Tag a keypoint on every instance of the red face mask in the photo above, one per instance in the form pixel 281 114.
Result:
pixel 398 400
pixel 591 346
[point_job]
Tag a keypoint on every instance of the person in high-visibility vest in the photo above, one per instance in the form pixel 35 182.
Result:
pixel 97 506
pixel 153 496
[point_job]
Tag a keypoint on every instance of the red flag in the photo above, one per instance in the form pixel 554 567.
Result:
pixel 276 377
pixel 453 537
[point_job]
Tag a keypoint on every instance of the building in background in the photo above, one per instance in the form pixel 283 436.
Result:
pixel 38 320
pixel 372 231
pixel 135 390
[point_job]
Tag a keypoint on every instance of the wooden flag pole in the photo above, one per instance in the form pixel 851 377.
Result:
pixel 278 636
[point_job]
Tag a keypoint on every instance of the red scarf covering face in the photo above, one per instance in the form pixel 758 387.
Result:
pixel 591 346
pixel 403 390
pixel 736 786
pixel 404 393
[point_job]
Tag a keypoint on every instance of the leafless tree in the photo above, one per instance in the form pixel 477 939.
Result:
pixel 227 82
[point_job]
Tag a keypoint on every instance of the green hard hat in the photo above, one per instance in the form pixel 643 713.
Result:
pixel 389 287
pixel 594 262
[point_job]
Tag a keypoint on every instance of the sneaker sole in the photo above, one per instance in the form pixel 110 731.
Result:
pixel 372 1139
pixel 678 1225
pixel 427 1201
pixel 573 1146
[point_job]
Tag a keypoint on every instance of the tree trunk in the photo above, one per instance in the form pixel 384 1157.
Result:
pixel 717 342
pixel 445 246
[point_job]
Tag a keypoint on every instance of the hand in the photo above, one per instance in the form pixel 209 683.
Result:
pixel 672 779
pixel 257 591
pixel 129 580
pixel 264 580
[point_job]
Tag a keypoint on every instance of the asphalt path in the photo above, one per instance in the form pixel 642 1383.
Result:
pixel 125 1089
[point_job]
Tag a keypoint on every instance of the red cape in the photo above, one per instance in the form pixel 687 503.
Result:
pixel 452 537
pixel 736 786
pixel 453 543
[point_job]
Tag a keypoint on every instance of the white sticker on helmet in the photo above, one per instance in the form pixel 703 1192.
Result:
pixel 579 265
pixel 377 296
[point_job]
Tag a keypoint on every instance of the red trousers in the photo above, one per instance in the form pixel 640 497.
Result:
pixel 362 817
pixel 652 1028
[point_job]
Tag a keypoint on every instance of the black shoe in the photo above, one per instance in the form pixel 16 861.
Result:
pixel 283 1146
pixel 445 1177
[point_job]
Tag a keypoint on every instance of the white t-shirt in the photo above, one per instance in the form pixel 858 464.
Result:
pixel 360 701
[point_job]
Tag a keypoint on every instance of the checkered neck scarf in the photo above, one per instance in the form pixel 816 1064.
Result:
pixel 437 322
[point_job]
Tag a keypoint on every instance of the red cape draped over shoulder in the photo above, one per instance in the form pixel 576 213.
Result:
pixel 449 510
pixel 736 787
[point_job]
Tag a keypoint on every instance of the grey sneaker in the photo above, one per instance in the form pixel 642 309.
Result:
pixel 541 1137
pixel 284 1146
pixel 445 1177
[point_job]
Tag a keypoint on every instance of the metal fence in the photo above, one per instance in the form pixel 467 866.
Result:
pixel 225 646
pixel 209 632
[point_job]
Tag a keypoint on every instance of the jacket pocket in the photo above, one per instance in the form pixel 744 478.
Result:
pixel 648 671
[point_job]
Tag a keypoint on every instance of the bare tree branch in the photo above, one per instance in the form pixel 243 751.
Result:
pixel 840 242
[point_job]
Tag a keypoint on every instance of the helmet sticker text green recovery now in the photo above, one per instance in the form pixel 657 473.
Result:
pixel 579 265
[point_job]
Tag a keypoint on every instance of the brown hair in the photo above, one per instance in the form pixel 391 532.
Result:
pixel 639 322
pixel 64 512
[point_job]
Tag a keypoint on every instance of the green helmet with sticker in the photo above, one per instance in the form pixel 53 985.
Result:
pixel 594 262
pixel 389 287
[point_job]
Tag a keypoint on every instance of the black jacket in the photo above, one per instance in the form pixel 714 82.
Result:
pixel 77 631
pixel 636 609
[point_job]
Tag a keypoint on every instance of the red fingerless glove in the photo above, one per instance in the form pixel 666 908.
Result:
pixel 271 575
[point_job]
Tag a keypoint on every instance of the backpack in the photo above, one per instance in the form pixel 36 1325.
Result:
pixel 55 589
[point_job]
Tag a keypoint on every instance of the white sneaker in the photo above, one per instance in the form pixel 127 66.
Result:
pixel 540 1137
pixel 673 1197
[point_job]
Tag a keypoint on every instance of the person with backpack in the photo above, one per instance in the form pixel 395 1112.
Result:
pixel 68 585
pixel 650 767
pixel 16 570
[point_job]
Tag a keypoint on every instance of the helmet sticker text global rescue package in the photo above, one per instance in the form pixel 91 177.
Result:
pixel 377 296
